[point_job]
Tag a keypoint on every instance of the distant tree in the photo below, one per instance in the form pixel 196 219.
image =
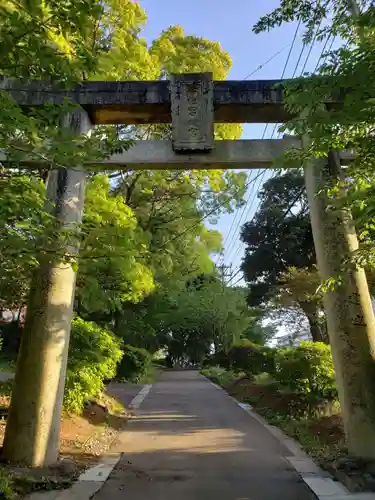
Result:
pixel 278 238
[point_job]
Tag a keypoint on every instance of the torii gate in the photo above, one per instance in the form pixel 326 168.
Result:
pixel 192 103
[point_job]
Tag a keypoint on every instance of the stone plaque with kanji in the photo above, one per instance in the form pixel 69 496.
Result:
pixel 192 112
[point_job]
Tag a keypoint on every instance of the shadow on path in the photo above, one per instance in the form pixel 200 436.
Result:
pixel 190 441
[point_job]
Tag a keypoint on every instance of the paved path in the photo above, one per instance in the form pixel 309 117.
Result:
pixel 190 441
pixel 125 393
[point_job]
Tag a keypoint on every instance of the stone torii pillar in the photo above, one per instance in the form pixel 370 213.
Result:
pixel 33 428
pixel 350 316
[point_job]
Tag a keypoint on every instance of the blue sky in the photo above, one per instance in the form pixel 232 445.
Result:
pixel 230 23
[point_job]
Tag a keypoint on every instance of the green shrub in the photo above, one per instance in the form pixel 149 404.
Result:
pixel 307 369
pixel 7 485
pixel 219 358
pixel 251 358
pixel 135 364
pixel 221 376
pixel 94 353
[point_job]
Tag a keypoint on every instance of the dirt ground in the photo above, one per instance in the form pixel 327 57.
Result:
pixel 83 439
pixel 89 435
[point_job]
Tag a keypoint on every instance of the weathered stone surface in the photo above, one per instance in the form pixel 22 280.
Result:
pixel 252 153
pixel 192 112
pixel 247 101
pixel 350 316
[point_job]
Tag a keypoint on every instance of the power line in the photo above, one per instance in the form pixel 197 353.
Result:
pixel 239 279
pixel 295 70
pixel 268 61
pixel 284 70
pixel 237 214
pixel 324 48
pixel 264 133
pixel 234 275
pixel 211 212
pixel 275 127
pixel 241 214
pixel 291 44
pixel 248 208
pixel 281 220
pixel 230 249
pixel 299 60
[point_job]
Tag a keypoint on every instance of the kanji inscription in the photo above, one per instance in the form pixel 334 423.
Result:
pixel 192 112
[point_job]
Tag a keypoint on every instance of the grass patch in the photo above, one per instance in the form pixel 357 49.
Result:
pixel 221 376
pixel 263 379
pixel 7 486
pixel 314 422
pixel 113 406
pixel 151 374
pixel 6 389
pixel 313 443
pixel 317 427
pixel 83 439
pixel 18 482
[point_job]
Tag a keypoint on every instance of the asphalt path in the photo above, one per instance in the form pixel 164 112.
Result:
pixel 189 440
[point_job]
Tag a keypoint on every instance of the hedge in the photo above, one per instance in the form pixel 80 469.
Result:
pixel 306 369
pixel 251 358
pixel 94 353
pixel 135 363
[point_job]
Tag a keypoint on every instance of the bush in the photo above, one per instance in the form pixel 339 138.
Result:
pixel 7 485
pixel 135 363
pixel 251 358
pixel 219 358
pixel 221 376
pixel 307 369
pixel 93 356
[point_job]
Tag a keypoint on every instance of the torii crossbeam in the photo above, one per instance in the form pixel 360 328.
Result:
pixel 192 103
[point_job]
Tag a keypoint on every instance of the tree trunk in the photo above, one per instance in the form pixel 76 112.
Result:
pixel 350 318
pixel 311 312
pixel 315 330
pixel 33 428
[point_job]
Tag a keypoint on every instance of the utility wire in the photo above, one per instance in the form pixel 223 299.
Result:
pixel 291 46
pixel 268 61
pixel 281 220
pixel 284 70
pixel 234 284
pixel 237 214
pixel 211 212
pixel 329 37
pixel 275 127
pixel 250 75
pixel 233 276
pixel 248 208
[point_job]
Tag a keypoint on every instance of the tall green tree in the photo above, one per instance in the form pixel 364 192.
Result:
pixel 300 289
pixel 277 238
pixel 191 319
